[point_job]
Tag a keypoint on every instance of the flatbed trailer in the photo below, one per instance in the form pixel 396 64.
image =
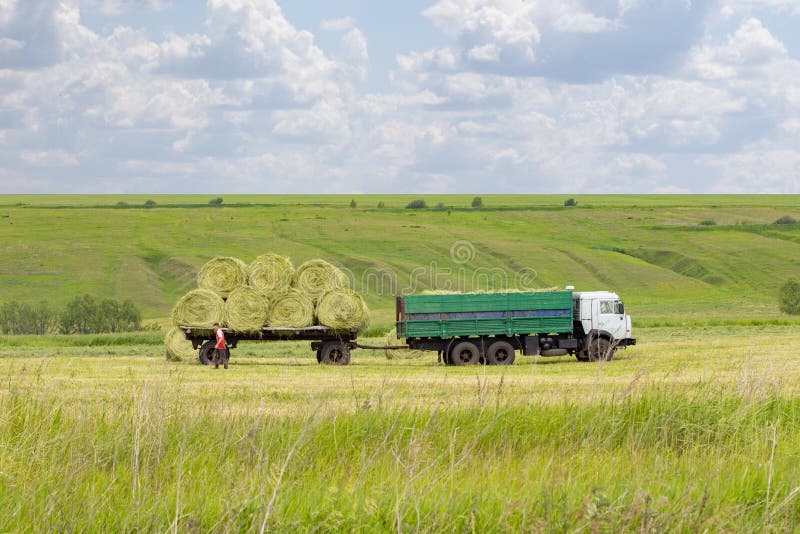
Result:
pixel 332 346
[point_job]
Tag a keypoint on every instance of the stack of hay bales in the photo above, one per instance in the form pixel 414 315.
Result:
pixel 269 292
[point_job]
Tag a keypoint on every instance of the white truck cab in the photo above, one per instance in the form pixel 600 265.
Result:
pixel 601 317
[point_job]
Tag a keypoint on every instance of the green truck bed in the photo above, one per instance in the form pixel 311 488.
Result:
pixel 484 314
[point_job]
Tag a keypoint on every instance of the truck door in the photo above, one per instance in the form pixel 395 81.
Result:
pixel 611 317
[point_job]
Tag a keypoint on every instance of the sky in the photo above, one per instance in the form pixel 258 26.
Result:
pixel 423 96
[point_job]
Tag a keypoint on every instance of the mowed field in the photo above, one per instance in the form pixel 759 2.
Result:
pixel 697 428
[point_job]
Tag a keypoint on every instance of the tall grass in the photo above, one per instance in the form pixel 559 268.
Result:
pixel 145 459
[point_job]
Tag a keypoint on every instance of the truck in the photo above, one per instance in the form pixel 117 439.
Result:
pixel 490 328
pixel 471 328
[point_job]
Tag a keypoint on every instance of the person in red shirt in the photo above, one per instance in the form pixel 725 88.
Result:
pixel 221 353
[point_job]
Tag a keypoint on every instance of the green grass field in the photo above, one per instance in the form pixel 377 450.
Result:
pixel 653 250
pixel 697 428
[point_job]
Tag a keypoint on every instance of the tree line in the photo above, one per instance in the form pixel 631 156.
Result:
pixel 84 314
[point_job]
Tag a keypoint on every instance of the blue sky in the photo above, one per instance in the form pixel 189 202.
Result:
pixel 446 96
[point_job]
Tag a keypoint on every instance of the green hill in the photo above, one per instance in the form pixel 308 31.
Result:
pixel 661 253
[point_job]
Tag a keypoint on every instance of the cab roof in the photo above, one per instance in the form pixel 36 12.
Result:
pixel 588 295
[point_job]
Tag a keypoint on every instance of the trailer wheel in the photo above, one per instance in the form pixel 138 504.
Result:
pixel 334 353
pixel 465 353
pixel 500 353
pixel 600 349
pixel 206 352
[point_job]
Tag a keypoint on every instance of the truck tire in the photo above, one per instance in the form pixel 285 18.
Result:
pixel 334 353
pixel 465 353
pixel 600 349
pixel 500 353
pixel 206 352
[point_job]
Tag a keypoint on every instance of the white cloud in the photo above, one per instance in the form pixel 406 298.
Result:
pixel 338 25
pixel 751 46
pixel 572 39
pixel 254 102
pixel 730 8
pixel 756 168
pixel 354 52
pixel 38 34
pixel 245 39
pixel 118 7
pixel 506 25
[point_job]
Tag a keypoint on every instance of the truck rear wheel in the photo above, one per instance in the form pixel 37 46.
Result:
pixel 465 353
pixel 334 353
pixel 500 353
pixel 600 349
pixel 206 352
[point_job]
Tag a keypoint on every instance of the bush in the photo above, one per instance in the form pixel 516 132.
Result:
pixel 789 297
pixel 707 222
pixel 786 220
pixel 22 318
pixel 440 206
pixel 353 203
pixel 86 315
pixel 149 203
pixel 216 201
pixel 570 202
pixel 122 204
pixel 381 205
pixel 477 202
pixel 417 205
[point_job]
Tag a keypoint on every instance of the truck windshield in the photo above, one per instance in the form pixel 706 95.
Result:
pixel 611 307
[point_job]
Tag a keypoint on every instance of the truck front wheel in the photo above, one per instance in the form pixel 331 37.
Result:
pixel 500 353
pixel 465 353
pixel 600 349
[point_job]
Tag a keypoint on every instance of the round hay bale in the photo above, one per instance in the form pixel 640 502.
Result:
pixel 292 309
pixel 176 347
pixel 317 277
pixel 222 276
pixel 400 354
pixel 270 272
pixel 199 308
pixel 246 310
pixel 343 309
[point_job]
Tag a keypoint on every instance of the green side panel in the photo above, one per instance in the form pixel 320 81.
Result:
pixel 439 321
pixel 484 302
pixel 493 327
